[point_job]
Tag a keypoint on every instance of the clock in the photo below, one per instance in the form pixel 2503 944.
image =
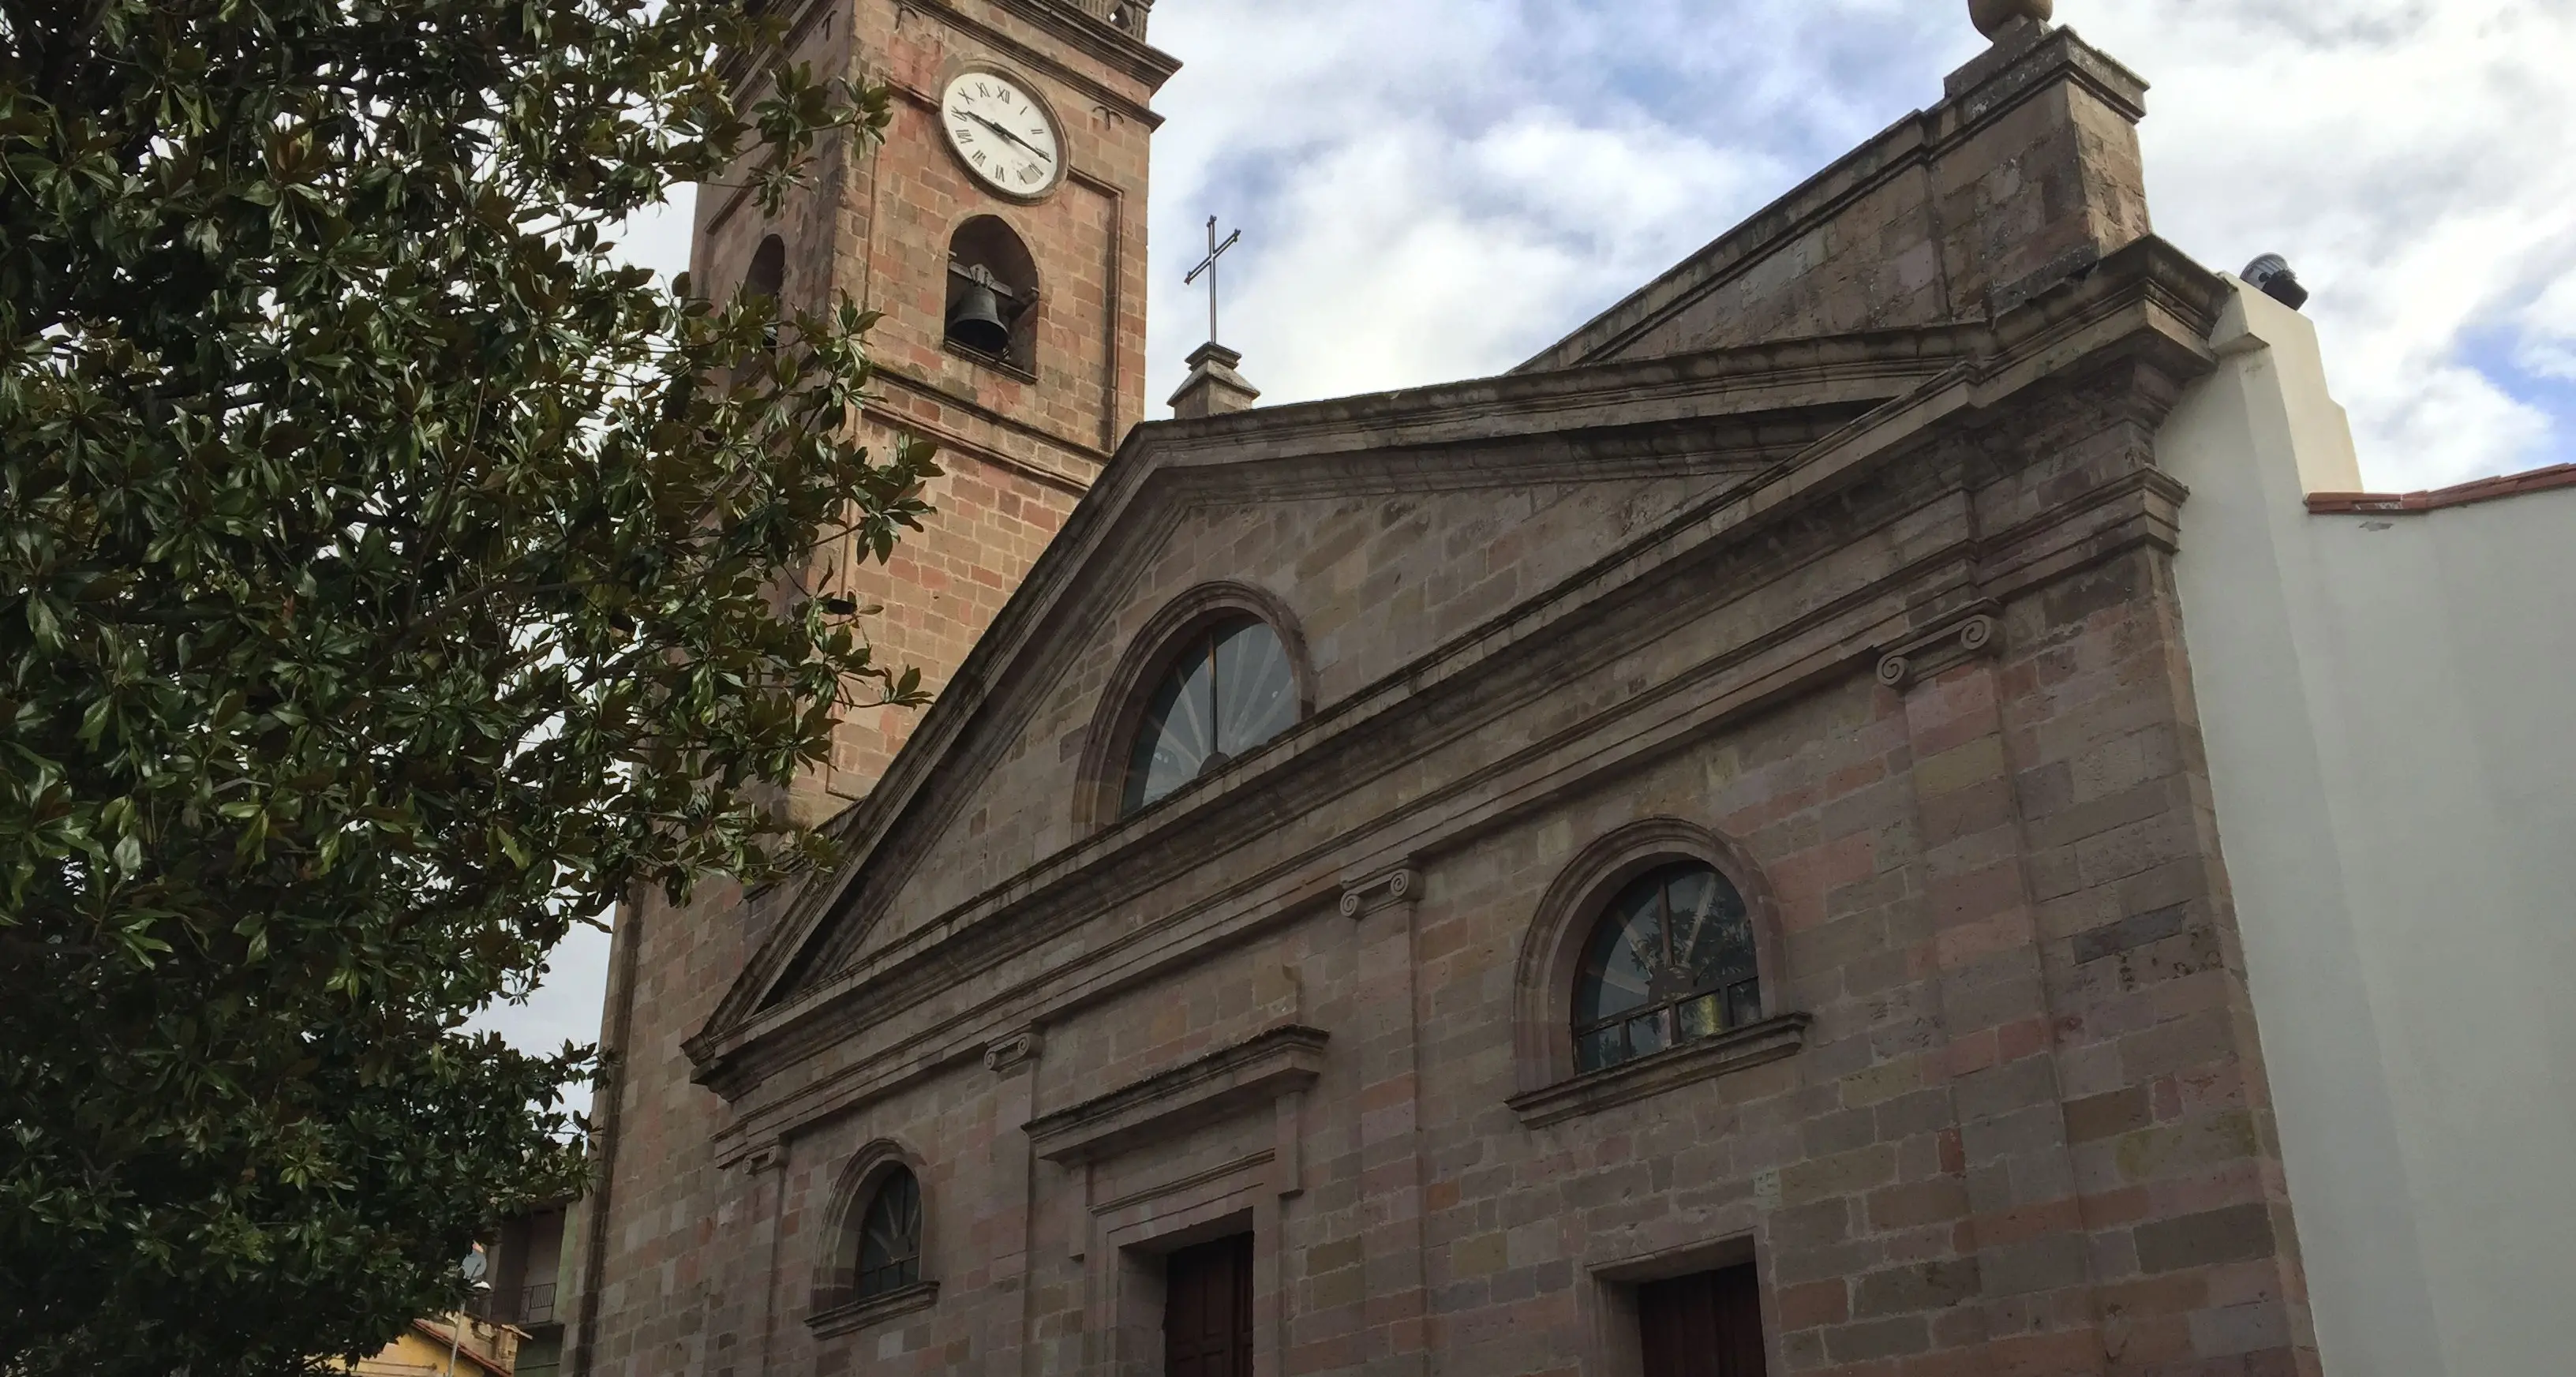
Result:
pixel 1003 134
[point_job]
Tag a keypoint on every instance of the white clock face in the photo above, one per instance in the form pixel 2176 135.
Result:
pixel 1002 133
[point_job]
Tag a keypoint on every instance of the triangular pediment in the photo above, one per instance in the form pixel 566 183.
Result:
pixel 1645 441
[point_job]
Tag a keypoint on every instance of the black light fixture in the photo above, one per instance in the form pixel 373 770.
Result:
pixel 2271 275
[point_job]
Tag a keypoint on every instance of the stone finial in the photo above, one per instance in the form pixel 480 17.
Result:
pixel 1214 388
pixel 1992 15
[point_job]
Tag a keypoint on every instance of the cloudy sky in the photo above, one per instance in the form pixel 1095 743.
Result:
pixel 1435 189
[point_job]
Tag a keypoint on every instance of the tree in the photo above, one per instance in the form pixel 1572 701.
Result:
pixel 386 576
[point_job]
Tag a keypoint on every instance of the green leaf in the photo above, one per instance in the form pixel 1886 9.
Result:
pixel 395 574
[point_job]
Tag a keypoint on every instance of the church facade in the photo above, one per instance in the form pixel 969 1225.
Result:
pixel 1695 856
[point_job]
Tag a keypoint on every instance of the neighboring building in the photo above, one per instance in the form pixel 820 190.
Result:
pixel 2385 689
pixel 1699 856
pixel 510 1328
pixel 446 1346
pixel 525 1283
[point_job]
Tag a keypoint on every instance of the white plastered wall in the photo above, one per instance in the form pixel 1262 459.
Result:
pixel 2387 702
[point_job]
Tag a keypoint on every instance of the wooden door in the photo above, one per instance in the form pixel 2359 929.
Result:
pixel 1709 1325
pixel 1207 1310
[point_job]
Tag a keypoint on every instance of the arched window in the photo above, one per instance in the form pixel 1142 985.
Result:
pixel 1671 961
pixel 992 295
pixel 1230 690
pixel 889 1257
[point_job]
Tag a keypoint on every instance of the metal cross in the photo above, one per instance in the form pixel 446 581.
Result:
pixel 1207 269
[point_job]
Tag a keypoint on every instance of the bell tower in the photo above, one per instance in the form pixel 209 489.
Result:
pixel 1000 229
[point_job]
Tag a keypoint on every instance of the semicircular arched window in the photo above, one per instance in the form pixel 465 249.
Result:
pixel 890 1237
pixel 1230 690
pixel 1671 962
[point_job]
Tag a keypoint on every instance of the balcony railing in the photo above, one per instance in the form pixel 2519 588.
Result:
pixel 526 1306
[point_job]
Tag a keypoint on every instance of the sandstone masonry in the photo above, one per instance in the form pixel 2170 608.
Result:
pixel 1837 560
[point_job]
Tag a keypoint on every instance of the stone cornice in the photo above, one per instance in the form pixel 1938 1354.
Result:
pixel 2077 328
pixel 1226 1082
pixel 1103 43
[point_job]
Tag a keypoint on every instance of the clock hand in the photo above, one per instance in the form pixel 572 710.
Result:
pixel 1005 133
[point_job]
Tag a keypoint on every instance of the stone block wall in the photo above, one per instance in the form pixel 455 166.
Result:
pixel 2024 1135
pixel 2014 1119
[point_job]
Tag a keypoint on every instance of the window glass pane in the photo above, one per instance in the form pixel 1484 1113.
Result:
pixel 1701 1017
pixel 1178 732
pixel 1618 972
pixel 1598 1049
pixel 1646 1034
pixel 1712 933
pixel 1230 692
pixel 1744 1004
pixel 1256 694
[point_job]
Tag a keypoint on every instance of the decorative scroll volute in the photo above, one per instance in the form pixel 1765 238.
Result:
pixel 1970 632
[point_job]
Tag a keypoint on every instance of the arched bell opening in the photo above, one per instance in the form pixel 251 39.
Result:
pixel 767 276
pixel 766 280
pixel 992 294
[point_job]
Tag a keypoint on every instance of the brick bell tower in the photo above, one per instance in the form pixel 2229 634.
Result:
pixel 1000 229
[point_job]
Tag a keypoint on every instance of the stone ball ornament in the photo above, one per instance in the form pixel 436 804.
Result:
pixel 1992 15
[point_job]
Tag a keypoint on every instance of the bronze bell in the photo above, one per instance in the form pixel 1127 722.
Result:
pixel 976 322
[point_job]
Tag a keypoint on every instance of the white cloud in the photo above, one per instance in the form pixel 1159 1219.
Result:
pixel 2417 161
pixel 1436 188
pixel 2549 332
pixel 565 1006
pixel 658 236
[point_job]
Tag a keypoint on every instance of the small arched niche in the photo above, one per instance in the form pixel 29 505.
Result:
pixel 993 294
pixel 1142 734
pixel 1587 927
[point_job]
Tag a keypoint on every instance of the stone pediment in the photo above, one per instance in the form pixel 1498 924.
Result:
pixel 1731 416
pixel 1788 424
